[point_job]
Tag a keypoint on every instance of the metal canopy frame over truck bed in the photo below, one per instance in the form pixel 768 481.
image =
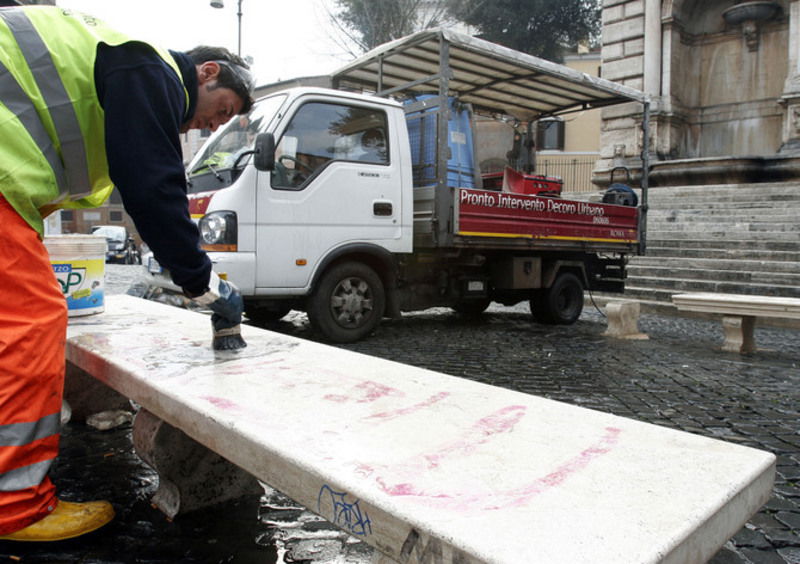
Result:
pixel 493 80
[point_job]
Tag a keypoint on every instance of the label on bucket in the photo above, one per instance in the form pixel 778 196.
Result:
pixel 82 284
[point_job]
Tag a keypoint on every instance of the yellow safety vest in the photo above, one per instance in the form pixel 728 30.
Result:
pixel 52 139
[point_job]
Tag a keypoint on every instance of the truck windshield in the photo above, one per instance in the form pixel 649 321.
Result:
pixel 228 149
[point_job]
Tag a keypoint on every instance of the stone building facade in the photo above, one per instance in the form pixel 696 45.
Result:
pixel 724 82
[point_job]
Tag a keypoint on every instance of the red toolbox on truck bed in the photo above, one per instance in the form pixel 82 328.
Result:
pixel 518 183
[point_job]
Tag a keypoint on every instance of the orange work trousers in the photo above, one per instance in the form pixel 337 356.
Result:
pixel 33 325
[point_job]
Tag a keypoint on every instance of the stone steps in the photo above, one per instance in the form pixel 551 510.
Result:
pixel 702 263
pixel 694 224
pixel 743 254
pixel 700 201
pixel 679 285
pixel 757 191
pixel 721 231
pixel 740 276
pixel 724 245
pixel 786 214
pixel 739 239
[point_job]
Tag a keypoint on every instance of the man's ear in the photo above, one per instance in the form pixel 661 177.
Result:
pixel 207 72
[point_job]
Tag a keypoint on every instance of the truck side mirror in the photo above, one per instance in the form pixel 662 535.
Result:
pixel 264 158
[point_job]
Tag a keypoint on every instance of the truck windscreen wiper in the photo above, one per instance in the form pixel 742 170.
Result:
pixel 217 175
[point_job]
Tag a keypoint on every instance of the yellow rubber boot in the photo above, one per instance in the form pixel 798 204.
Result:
pixel 66 521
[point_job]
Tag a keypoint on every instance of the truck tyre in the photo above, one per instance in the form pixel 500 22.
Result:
pixel 561 303
pixel 471 308
pixel 348 303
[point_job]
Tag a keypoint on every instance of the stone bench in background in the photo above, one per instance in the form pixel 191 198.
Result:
pixel 739 313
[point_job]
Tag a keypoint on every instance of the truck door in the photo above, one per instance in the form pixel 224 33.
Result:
pixel 337 180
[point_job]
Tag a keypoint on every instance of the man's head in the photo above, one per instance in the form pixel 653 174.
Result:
pixel 225 87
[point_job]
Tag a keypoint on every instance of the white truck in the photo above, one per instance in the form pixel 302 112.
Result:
pixel 364 200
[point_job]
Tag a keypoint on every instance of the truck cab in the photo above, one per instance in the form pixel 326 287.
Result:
pixel 339 192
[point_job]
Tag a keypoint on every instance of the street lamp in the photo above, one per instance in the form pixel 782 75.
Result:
pixel 221 4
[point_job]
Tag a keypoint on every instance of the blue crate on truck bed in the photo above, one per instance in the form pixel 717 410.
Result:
pixel 422 135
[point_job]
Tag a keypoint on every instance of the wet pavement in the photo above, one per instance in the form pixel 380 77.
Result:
pixel 678 378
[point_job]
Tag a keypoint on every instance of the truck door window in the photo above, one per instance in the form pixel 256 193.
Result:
pixel 320 133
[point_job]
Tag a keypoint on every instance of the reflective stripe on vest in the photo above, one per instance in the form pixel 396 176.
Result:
pixel 55 95
pixel 22 107
pixel 24 477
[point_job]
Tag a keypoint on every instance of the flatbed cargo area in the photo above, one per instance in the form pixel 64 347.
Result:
pixel 440 75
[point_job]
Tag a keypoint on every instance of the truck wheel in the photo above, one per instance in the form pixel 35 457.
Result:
pixel 561 303
pixel 471 308
pixel 348 303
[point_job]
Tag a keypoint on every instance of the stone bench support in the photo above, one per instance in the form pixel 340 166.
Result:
pixel 423 466
pixel 190 476
pixel 739 313
pixel 739 333
pixel 623 320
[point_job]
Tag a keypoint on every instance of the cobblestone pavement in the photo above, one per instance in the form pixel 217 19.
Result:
pixel 677 379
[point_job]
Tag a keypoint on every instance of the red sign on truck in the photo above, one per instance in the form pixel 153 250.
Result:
pixel 484 213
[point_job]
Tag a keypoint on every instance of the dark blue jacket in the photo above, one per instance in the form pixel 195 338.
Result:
pixel 145 107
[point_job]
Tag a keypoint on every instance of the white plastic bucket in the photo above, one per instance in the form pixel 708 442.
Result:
pixel 79 265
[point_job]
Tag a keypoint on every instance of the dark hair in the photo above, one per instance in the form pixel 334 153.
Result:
pixel 234 73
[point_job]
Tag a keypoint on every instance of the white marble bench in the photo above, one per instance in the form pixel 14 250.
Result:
pixel 739 313
pixel 424 467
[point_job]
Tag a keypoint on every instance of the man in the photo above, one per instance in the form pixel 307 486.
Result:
pixel 84 108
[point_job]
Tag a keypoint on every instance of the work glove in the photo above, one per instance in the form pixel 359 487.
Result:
pixel 225 301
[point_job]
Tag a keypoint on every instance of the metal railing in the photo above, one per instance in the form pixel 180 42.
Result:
pixel 575 172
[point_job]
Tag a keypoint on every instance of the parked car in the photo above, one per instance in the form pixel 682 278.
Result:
pixel 121 246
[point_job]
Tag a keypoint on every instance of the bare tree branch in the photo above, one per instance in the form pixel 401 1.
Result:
pixel 369 23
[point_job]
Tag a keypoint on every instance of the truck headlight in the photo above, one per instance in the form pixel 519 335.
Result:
pixel 218 231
